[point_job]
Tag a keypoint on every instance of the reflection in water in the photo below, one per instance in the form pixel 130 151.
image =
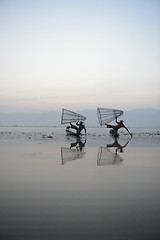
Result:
pixel 117 145
pixel 75 151
pixel 107 157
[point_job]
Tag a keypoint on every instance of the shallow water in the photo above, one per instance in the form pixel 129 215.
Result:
pixel 95 187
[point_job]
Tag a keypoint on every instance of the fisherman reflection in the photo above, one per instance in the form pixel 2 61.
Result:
pixel 108 157
pixel 78 144
pixel 75 151
pixel 117 145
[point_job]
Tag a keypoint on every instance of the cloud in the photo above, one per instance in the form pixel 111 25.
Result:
pixel 34 99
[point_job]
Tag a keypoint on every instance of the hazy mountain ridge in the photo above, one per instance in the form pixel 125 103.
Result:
pixel 142 117
pixel 134 118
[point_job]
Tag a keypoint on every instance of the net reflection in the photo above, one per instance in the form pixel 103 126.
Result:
pixel 75 151
pixel 108 157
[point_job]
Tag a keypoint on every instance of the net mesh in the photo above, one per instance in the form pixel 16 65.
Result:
pixel 70 117
pixel 106 115
pixel 106 157
pixel 68 154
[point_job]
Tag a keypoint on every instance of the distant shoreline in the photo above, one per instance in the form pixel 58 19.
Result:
pixel 60 126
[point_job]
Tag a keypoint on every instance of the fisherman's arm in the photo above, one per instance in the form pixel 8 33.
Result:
pixel 116 121
pixel 127 130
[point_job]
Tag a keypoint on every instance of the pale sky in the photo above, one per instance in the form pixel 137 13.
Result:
pixel 79 54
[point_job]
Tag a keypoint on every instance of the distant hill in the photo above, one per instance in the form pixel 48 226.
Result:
pixel 142 118
pixel 30 119
pixel 134 118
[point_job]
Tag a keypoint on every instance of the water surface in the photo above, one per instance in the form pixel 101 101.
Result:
pixel 88 188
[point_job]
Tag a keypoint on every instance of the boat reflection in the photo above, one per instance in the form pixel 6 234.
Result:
pixel 108 157
pixel 75 151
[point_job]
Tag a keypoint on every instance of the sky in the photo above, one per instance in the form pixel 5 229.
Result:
pixel 79 54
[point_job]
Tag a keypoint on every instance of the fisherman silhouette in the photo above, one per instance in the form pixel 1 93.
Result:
pixel 115 128
pixel 117 145
pixel 80 126
pixel 78 144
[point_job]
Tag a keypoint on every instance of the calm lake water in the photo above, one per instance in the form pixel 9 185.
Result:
pixel 95 187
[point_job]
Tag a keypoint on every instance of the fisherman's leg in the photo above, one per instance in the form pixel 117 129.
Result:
pixel 109 126
pixel 73 126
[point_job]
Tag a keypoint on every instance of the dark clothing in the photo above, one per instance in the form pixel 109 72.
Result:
pixel 116 127
pixel 80 127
